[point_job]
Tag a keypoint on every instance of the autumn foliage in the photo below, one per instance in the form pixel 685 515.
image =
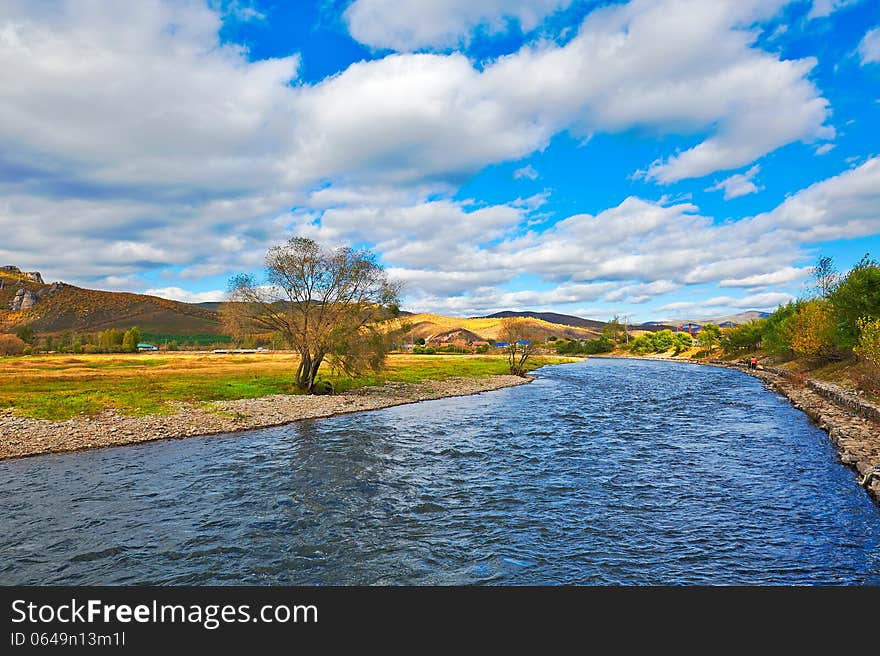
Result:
pixel 811 329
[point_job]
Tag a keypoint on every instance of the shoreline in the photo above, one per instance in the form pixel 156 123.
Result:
pixel 852 423
pixel 23 437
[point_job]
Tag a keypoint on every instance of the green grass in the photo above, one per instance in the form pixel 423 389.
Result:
pixel 201 340
pixel 61 387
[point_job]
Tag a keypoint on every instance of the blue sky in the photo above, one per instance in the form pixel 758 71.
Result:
pixel 662 160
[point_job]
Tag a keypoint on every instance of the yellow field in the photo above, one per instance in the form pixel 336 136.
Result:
pixel 61 386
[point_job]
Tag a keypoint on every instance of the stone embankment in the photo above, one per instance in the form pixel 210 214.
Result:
pixel 24 436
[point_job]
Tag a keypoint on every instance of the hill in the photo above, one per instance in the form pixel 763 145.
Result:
pixel 739 318
pixel 434 327
pixel 571 320
pixel 550 317
pixel 25 300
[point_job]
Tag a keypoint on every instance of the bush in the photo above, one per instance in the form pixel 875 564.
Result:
pixel 323 387
pixel 869 340
pixel 746 337
pixel 812 329
pixel 11 345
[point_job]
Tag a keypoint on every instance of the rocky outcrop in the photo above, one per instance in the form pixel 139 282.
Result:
pixel 33 276
pixel 24 299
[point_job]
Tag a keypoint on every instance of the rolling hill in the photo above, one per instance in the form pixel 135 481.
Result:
pixel 434 326
pixel 25 300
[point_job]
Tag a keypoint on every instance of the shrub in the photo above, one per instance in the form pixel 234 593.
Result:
pixel 323 387
pixel 811 330
pixel 11 345
pixel 869 340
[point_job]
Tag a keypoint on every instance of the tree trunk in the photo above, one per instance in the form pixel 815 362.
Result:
pixel 302 372
pixel 313 372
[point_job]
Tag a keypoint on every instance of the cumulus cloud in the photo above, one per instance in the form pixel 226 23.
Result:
pixel 823 8
pixel 780 277
pixel 178 294
pixel 869 47
pixel 163 147
pixel 406 25
pixel 738 185
pixel 824 149
pixel 527 171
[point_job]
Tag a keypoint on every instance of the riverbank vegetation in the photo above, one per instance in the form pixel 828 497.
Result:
pixel 833 333
pixel 59 386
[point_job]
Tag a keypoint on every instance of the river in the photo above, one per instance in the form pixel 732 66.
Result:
pixel 599 472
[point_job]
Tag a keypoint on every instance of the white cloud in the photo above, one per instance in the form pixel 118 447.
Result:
pixel 767 302
pixel 823 8
pixel 406 25
pixel 869 47
pixel 178 294
pixel 738 185
pixel 824 149
pixel 162 148
pixel 150 99
pixel 780 277
pixel 527 171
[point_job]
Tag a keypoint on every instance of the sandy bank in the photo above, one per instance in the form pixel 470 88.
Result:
pixel 22 436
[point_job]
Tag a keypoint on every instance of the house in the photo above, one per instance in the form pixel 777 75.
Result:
pixel 692 328
pixel 502 344
pixel 144 347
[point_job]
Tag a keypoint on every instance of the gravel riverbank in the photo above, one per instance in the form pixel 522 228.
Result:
pixel 23 436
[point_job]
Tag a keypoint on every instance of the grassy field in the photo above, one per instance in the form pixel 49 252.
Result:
pixel 58 387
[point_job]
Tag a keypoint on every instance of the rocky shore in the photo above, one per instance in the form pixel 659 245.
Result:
pixel 23 436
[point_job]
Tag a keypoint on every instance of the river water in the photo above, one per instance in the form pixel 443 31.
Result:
pixel 600 472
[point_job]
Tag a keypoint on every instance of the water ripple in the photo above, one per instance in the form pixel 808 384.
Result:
pixel 604 472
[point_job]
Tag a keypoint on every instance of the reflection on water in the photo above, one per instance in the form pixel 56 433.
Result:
pixel 610 471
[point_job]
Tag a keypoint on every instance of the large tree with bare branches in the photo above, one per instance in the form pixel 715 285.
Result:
pixel 521 340
pixel 327 304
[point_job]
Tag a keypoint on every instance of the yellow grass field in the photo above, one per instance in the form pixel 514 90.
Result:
pixel 58 387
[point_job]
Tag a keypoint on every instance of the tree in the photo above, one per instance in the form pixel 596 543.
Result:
pixel 25 334
pixel 856 297
pixel 710 336
pixel 664 340
pixel 811 329
pixel 332 304
pixel 682 341
pixel 746 336
pixel 128 343
pixel 613 330
pixel 825 275
pixel 521 340
pixel 775 336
